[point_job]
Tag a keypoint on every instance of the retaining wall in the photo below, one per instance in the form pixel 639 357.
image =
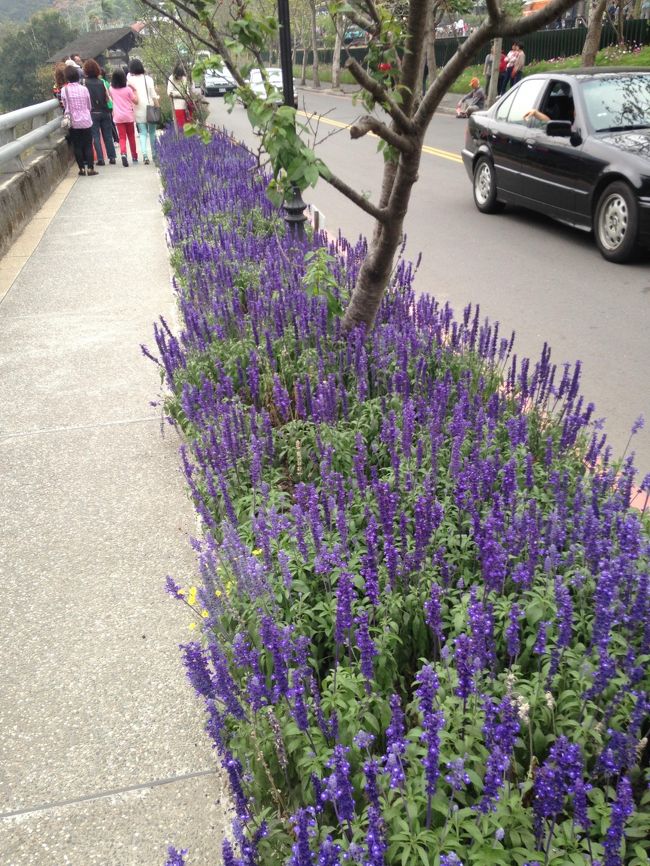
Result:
pixel 22 193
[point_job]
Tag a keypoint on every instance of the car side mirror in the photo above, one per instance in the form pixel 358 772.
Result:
pixel 559 128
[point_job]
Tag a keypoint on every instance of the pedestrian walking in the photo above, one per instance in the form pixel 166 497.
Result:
pixel 503 71
pixel 148 98
pixel 181 95
pixel 59 82
pixel 124 101
pixel 487 69
pixel 76 106
pixel 100 113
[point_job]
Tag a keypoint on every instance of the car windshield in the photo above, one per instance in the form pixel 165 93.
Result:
pixel 617 104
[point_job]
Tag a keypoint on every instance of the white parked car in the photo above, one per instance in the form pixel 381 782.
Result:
pixel 274 75
pixel 216 82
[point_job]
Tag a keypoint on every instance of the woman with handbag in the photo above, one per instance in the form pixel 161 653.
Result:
pixel 147 111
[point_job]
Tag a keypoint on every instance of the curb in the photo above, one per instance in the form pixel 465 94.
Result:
pixel 331 91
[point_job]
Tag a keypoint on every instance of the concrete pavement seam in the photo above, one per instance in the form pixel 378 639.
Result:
pixel 112 792
pixel 63 429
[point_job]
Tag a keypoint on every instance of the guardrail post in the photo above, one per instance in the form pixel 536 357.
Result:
pixel 7 136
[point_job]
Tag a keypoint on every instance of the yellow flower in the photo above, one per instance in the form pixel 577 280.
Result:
pixel 191 598
pixel 228 587
pixel 218 593
pixel 257 551
pixel 205 614
pixel 192 626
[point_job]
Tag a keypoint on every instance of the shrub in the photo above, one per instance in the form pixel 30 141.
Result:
pixel 425 624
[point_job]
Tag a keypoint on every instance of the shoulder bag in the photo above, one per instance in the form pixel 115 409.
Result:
pixel 154 114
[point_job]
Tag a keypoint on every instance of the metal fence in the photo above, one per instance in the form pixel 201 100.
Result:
pixel 37 126
pixel 551 44
pixel 542 45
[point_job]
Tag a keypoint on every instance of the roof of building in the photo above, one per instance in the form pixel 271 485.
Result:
pixel 96 42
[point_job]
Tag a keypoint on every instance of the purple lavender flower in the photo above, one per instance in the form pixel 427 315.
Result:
pixel 540 643
pixel 464 663
pixel 432 723
pixel 303 823
pixel 457 776
pixel 175 857
pixel 328 853
pixel 395 744
pixel 500 732
pixel 339 786
pixel 432 610
pixel 555 779
pixel 451 859
pixel 367 649
pixel 621 810
pixel 345 595
pixel 196 668
pixel 513 643
pixel 173 588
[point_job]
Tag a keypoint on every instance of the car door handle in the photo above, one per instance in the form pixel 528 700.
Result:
pixel 530 144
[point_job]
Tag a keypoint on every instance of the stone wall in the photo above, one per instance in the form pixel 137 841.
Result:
pixel 22 193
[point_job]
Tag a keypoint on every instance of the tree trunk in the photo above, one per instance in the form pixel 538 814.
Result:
pixel 377 266
pixel 314 45
pixel 303 71
pixel 339 24
pixel 595 28
pixel 428 66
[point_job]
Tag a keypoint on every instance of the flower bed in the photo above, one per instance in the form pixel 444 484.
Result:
pixel 424 615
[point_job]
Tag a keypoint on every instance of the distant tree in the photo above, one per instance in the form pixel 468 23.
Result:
pixel 23 53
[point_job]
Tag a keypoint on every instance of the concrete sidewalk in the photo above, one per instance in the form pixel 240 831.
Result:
pixel 103 760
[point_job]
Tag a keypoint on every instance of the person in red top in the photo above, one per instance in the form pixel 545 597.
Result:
pixel 503 72
pixel 124 98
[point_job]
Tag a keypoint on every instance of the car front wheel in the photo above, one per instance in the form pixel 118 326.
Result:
pixel 616 223
pixel 485 187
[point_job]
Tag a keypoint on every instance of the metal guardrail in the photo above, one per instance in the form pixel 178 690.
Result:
pixel 44 120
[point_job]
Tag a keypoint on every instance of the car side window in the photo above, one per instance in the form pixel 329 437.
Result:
pixel 526 97
pixel 504 107
pixel 558 102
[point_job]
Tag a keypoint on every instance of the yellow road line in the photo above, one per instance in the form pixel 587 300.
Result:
pixel 434 151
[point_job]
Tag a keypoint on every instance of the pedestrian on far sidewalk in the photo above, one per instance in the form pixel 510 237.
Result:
pixel 76 106
pixel 124 101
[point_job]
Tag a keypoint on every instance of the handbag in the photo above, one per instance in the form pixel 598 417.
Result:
pixel 66 122
pixel 154 114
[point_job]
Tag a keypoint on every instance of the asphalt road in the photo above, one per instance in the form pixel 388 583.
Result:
pixel 545 281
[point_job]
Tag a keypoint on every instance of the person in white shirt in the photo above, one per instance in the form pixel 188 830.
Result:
pixel 145 87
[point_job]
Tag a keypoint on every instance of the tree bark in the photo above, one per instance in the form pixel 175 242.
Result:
pixel 339 25
pixel 314 44
pixel 595 28
pixel 303 71
pixel 378 265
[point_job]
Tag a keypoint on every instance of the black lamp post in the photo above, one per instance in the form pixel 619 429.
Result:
pixel 294 206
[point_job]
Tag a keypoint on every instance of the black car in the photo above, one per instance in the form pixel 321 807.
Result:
pixel 574 145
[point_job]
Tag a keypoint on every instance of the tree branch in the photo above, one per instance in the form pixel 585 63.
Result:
pixel 155 8
pixel 367 124
pixel 376 89
pixel 520 26
pixel 355 197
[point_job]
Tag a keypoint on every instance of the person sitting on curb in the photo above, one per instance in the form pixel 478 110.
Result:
pixel 472 101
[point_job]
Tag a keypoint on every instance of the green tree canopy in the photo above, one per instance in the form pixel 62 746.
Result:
pixel 21 55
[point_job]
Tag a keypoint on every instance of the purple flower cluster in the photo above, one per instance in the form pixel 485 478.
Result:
pixel 393 522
